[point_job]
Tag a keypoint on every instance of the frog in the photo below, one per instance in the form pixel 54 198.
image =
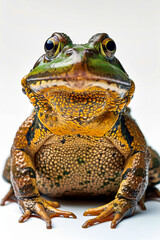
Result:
pixel 80 140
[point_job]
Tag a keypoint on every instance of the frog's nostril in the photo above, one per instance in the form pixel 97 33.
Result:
pixel 89 53
pixel 70 51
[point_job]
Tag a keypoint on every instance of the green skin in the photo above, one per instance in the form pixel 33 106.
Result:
pixel 80 73
pixel 62 64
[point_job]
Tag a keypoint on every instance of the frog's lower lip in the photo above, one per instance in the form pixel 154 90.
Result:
pixel 39 84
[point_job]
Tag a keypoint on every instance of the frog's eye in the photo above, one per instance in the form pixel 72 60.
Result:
pixel 108 48
pixel 52 47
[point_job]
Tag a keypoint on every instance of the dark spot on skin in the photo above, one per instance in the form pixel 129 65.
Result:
pixel 57 184
pixel 63 141
pixel 111 179
pixel 26 189
pixel 86 182
pixel 35 125
pixel 140 172
pixel 125 132
pixel 105 183
pixel 130 191
pixel 25 172
pixel 30 171
pixel 80 161
pixel 115 204
pixel 81 183
pixel 59 177
pixel 65 173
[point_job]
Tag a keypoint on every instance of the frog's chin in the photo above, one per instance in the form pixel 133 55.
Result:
pixel 78 106
pixel 81 115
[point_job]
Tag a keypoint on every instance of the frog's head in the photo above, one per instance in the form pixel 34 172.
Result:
pixel 79 81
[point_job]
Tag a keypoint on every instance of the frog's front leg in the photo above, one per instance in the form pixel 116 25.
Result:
pixel 30 136
pixel 128 139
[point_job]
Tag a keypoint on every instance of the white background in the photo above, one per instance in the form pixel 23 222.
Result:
pixel 24 27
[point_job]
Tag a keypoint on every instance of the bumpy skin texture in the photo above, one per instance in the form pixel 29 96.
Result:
pixel 80 139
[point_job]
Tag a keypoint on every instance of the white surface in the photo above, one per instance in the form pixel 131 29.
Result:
pixel 24 27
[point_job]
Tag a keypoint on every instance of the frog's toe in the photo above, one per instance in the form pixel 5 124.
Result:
pixel 25 216
pixel 52 207
pixel 52 204
pixel 95 211
pixel 59 213
pixel 115 211
pixel 141 203
pixel 34 206
pixel 44 209
pixel 40 211
pixel 8 197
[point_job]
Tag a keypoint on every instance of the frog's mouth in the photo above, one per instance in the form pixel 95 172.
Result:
pixel 80 84
pixel 81 98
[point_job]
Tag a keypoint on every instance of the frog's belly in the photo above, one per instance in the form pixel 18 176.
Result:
pixel 78 165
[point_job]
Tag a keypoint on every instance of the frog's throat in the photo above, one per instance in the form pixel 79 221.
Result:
pixel 114 98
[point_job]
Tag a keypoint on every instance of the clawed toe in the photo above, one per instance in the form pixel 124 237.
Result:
pixel 8 197
pixel 25 216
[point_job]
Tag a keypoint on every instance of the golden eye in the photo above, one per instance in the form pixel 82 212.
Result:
pixel 52 47
pixel 108 48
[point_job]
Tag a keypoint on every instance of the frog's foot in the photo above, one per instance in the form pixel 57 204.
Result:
pixel 40 206
pixel 114 211
pixel 8 197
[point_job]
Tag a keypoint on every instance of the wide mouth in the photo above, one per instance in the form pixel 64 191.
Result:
pixel 38 85
pixel 54 79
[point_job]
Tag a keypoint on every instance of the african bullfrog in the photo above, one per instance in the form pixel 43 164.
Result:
pixel 80 139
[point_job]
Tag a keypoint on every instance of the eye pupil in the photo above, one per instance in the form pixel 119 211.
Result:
pixel 49 45
pixel 111 46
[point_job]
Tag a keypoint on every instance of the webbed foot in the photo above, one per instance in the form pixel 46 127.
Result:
pixel 40 206
pixel 114 211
